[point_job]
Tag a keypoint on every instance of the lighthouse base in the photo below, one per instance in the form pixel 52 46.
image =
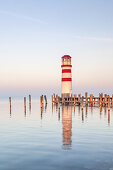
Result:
pixel 66 95
pixel 66 98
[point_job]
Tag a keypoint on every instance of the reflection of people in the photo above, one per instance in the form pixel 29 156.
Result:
pixel 67 125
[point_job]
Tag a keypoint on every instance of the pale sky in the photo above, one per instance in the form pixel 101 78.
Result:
pixel 35 34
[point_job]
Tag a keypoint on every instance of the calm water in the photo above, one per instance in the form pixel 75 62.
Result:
pixel 50 140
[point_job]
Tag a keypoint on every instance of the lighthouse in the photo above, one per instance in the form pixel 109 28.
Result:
pixel 66 89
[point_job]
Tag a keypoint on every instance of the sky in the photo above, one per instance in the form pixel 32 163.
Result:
pixel 35 34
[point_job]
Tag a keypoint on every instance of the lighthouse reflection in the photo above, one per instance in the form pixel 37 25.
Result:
pixel 67 126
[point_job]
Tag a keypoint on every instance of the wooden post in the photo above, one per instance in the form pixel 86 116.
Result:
pixel 45 100
pixel 94 100
pixel 79 99
pixel 105 100
pixel 25 104
pixel 30 102
pixel 109 103
pixel 101 99
pixel 56 99
pixel 112 100
pixel 74 99
pixel 52 98
pixel 10 101
pixel 71 99
pixel 59 103
pixel 91 100
pixel 29 99
pixel 82 101
pixel 10 105
pixel 41 101
pixel 86 95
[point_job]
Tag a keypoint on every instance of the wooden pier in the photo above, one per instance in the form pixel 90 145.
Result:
pixel 91 100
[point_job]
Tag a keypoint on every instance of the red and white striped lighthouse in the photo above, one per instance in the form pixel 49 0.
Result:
pixel 66 77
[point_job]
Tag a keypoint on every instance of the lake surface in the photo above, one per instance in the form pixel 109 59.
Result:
pixel 50 139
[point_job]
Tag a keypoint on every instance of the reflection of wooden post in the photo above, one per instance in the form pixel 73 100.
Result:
pixel 108 116
pixel 82 116
pixel 25 104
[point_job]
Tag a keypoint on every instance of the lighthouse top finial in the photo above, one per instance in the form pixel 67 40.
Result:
pixel 68 56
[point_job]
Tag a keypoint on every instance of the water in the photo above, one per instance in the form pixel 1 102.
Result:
pixel 51 140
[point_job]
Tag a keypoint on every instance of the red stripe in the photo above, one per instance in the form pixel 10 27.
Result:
pixel 66 65
pixel 66 71
pixel 66 79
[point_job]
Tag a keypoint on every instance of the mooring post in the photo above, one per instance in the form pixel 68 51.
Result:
pixel 10 101
pixel 100 99
pixel 25 104
pixel 105 100
pixel 71 99
pixel 29 99
pixel 94 100
pixel 109 103
pixel 74 99
pixel 86 95
pixel 52 98
pixel 56 98
pixel 112 100
pixel 79 99
pixel 82 101
pixel 90 100
pixel 45 100
pixel 41 101
pixel 10 104
pixel 29 102
pixel 59 103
